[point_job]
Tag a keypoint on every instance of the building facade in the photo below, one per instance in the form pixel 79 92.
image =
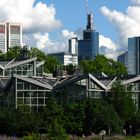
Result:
pixel 134 55
pixel 123 58
pixel 73 46
pixel 66 58
pixel 3 37
pixel 14 34
pixel 79 87
pixel 88 47
pixel 22 83
pixel 10 35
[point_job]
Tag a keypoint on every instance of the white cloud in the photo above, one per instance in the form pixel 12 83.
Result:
pixel 107 47
pixel 104 41
pixel 55 47
pixel 127 24
pixel 68 34
pixel 109 53
pixel 137 2
pixel 48 45
pixel 42 40
pixel 38 17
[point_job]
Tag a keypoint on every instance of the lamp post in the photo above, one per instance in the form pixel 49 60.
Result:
pixel 130 129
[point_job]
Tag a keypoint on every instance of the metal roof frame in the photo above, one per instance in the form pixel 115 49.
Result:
pixel 33 81
pixel 18 63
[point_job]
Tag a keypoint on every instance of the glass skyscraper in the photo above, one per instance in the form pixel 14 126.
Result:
pixel 88 48
pixel 134 55
pixel 123 58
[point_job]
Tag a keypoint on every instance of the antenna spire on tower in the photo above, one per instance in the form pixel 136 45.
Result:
pixel 89 18
pixel 86 7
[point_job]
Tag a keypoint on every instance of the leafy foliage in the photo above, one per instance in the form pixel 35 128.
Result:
pixel 100 116
pixel 15 52
pixel 122 101
pixel 105 65
pixel 74 116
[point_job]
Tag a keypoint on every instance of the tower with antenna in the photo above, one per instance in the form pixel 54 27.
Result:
pixel 89 18
pixel 88 47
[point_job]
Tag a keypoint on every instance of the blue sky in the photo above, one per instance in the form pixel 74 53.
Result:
pixel 48 24
pixel 72 14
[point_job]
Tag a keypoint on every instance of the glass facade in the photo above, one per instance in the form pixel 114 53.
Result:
pixel 39 71
pixel 26 69
pixel 88 48
pixel 78 91
pixel 123 58
pixel 135 92
pixel 134 55
pixel 31 95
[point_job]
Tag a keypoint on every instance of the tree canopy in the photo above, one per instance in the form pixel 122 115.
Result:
pixel 15 52
pixel 102 64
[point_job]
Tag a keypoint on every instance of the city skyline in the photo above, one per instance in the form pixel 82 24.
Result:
pixel 47 24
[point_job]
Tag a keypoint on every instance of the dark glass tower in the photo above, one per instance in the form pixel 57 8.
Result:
pixel 88 48
pixel 134 55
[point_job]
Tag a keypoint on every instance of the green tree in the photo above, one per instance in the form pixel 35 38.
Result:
pixel 102 64
pixel 50 64
pixel 89 122
pixel 74 116
pixel 52 121
pixel 121 101
pixel 106 117
pixel 50 61
pixel 34 52
pixel 13 52
pixel 99 115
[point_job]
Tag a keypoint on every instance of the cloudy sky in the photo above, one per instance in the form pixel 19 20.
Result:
pixel 47 24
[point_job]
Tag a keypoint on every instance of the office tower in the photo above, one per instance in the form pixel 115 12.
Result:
pixel 14 34
pixel 134 55
pixel 88 47
pixel 10 35
pixel 3 37
pixel 73 45
pixel 123 58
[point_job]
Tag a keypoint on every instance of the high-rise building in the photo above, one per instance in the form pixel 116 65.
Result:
pixel 73 45
pixel 123 58
pixel 3 37
pixel 88 47
pixel 14 34
pixel 10 35
pixel 133 55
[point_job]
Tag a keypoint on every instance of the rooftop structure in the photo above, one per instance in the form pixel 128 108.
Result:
pixel 22 83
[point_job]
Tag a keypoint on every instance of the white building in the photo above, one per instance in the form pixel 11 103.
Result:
pixel 10 35
pixel 66 58
pixel 3 37
pixel 73 45
pixel 14 34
